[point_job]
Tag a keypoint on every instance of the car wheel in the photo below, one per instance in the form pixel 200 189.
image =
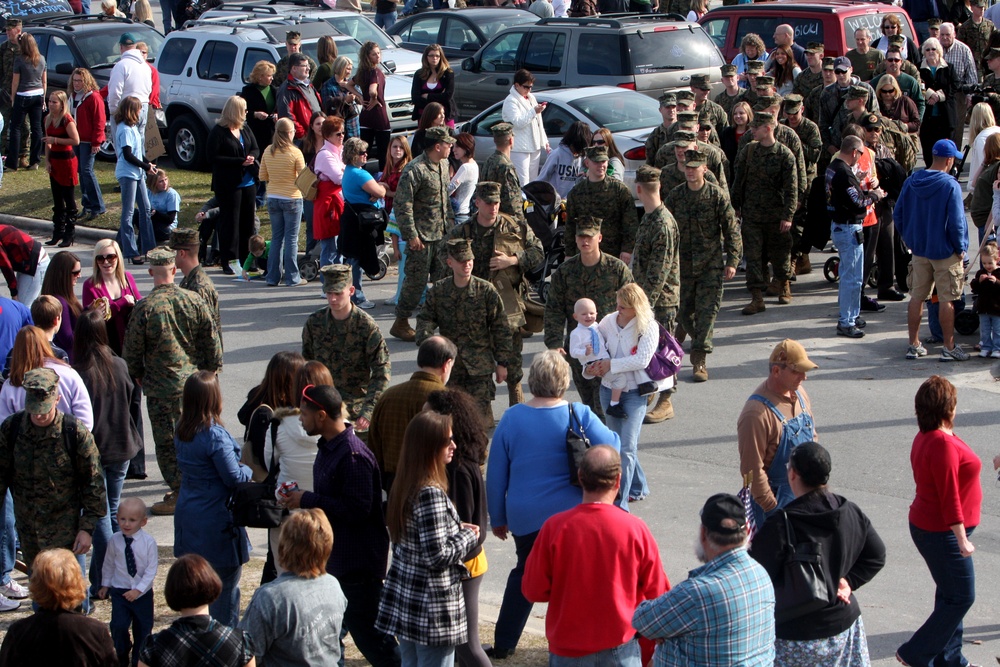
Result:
pixel 107 151
pixel 187 142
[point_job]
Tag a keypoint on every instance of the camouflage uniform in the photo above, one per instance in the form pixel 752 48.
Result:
pixel 57 493
pixel 170 335
pixel 715 113
pixel 977 38
pixel 764 193
pixel 718 164
pixel 655 264
pixel 991 83
pixel 727 102
pixel 812 150
pixel 707 226
pixel 198 281
pixel 423 210
pixel 807 81
pixel 671 176
pixel 787 137
pixel 8 52
pixel 499 169
pixel 671 134
pixel 473 318
pixel 655 141
pixel 354 352
pixel 573 281
pixel 813 105
pixel 610 200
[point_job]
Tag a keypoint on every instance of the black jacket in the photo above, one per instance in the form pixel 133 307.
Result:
pixel 444 95
pixel 846 201
pixel 467 492
pixel 263 130
pixel 116 414
pixel 228 157
pixel 851 550
pixel 943 79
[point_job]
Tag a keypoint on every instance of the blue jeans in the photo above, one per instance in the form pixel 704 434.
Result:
pixel 226 609
pixel 633 478
pixel 852 257
pixel 91 199
pixel 137 615
pixel 413 654
pixel 359 292
pixel 379 648
pixel 989 332
pixel 939 640
pixel 515 608
pixel 167 7
pixel 285 217
pixel 401 266
pixel 126 234
pixel 30 287
pixel 626 655
pixel 114 478
pixel 8 540
pixel 385 21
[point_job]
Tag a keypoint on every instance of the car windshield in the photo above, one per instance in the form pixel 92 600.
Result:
pixel 100 49
pixel 362 30
pixel 491 28
pixel 620 112
pixel 661 50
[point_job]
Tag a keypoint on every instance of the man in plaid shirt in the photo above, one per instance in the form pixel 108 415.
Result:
pixel 963 66
pixel 723 614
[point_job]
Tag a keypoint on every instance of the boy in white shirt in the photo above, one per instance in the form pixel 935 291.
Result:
pixel 586 345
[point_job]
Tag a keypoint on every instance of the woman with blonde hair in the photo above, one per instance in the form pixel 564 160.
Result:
pixel 941 89
pixel 434 82
pixel 893 104
pixel 143 13
pixel 262 101
pixel 730 138
pixel 982 125
pixel 280 165
pixel 362 193
pixel 111 282
pixel 326 54
pixel 87 107
pixel 235 155
pixel 616 161
pixel 340 96
pixel 751 48
pixel 27 90
pixel 129 170
pixel 60 139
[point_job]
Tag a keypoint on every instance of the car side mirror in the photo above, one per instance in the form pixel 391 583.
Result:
pixel 64 68
pixel 391 66
pixel 469 65
pixel 397 39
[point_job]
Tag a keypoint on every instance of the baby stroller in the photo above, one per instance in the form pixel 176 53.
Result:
pixel 545 212
pixel 309 264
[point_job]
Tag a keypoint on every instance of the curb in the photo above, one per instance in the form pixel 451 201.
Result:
pixel 82 234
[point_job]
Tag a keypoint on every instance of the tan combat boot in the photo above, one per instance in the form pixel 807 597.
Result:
pixel 166 506
pixel 756 304
pixel 699 371
pixel 786 293
pixel 773 288
pixel 662 411
pixel 803 265
pixel 515 393
pixel 401 330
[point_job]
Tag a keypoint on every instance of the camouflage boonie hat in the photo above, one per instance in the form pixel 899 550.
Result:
pixel 336 277
pixel 502 130
pixel 460 250
pixel 597 153
pixel 762 118
pixel 857 93
pixel 438 134
pixel 695 158
pixel 40 391
pixel 755 67
pixel 765 81
pixel 184 238
pixel 992 53
pixel 828 63
pixel 934 23
pixel 815 47
pixel 647 174
pixel 488 191
pixel 685 95
pixel 728 70
pixel 701 81
pixel 765 102
pixel 668 100
pixel 162 256
pixel 588 225
pixel 792 103
pixel 685 135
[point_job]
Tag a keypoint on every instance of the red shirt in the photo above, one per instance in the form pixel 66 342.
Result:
pixel 593 564
pixel 946 471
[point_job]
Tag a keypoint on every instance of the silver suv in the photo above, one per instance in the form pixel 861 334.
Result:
pixel 208 62
pixel 648 53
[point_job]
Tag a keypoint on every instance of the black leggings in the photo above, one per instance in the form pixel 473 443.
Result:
pixel 235 222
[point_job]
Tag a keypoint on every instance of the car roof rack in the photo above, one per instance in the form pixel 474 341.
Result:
pixel 615 20
pixel 274 27
pixel 69 21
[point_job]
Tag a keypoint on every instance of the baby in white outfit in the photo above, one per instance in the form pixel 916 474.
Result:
pixel 586 345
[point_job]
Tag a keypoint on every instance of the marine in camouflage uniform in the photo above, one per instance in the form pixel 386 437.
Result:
pixel 764 192
pixel 350 344
pixel 991 81
pixel 170 335
pixel 599 280
pixel 10 50
pixel 718 164
pixel 785 136
pixel 808 80
pixel 814 98
pixel 755 68
pixel 659 136
pixel 498 236
pixel 57 482
pixel 707 109
pixel 423 212
pixel 688 120
pixel 605 198
pixel 197 279
pixel 710 249
pixel 655 265
pixel 499 169
pixel 724 99
pixel 977 36
pixel 469 312
pixel 812 150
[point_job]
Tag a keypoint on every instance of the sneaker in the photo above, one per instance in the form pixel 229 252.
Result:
pixel 985 354
pixel 390 302
pixel 366 305
pixel 14 591
pixel 860 322
pixel 6 604
pixel 850 332
pixel 871 305
pixel 995 354
pixel 617 411
pixel 915 351
pixel 957 354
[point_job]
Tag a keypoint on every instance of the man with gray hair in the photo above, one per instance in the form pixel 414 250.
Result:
pixel 723 614
pixel 863 57
pixel 963 70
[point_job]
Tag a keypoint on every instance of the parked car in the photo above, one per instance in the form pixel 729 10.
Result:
pixel 33 10
pixel 211 60
pixel 647 53
pixel 629 115
pixel 831 22
pixel 352 24
pixel 460 32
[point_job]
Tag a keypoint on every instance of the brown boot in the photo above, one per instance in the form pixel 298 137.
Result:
pixel 803 265
pixel 700 371
pixel 515 393
pixel 680 333
pixel 662 411
pixel 786 293
pixel 166 506
pixel 773 288
pixel 401 330
pixel 756 304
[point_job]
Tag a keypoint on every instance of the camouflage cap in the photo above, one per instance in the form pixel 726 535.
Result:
pixel 597 153
pixel 701 82
pixel 437 135
pixel 705 123
pixel 336 277
pixel 686 136
pixel 765 102
pixel 162 256
pixel 765 81
pixel 762 118
pixel 668 100
pixel 857 93
pixel 871 121
pixel 40 391
pixel 588 225
pixel 728 70
pixel 897 40
pixel 647 174
pixel 488 191
pixel 992 53
pixel 828 63
pixel 792 103
pixel 460 250
pixel 502 130
pixel 183 237
pixel 687 117
pixel 934 23
pixel 695 158
pixel 815 47
pixel 685 96
pixel 293 37
pixel 755 66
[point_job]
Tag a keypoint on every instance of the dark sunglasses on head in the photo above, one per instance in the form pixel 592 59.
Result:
pixel 306 397
pixel 107 258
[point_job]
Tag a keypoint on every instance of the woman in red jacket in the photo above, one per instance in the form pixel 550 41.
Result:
pixel 87 107
pixel 942 517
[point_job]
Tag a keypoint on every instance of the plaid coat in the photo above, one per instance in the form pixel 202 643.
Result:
pixel 422 599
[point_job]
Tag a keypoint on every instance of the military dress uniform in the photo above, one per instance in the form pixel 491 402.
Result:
pixel 609 200
pixel 170 335
pixel 353 349
pixel 473 318
pixel 499 169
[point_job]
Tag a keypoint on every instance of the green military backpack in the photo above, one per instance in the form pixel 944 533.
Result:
pixel 902 144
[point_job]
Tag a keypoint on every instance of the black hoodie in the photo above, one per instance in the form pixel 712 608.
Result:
pixel 851 549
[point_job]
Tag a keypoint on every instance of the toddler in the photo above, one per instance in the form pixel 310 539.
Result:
pixel 164 205
pixel 987 288
pixel 257 257
pixel 129 569
pixel 586 345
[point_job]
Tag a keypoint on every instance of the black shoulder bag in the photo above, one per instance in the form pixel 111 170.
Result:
pixel 253 504
pixel 803 588
pixel 577 445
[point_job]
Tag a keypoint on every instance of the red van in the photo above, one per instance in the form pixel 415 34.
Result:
pixel 831 22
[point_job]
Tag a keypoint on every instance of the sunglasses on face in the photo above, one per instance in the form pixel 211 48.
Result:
pixel 106 259
pixel 894 60
pixel 599 142
pixel 76 274
pixel 840 71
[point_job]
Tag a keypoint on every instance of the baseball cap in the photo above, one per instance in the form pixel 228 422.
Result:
pixel 720 507
pixel 792 354
pixel 842 63
pixel 946 148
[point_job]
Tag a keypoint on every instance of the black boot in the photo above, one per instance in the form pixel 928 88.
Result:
pixel 58 229
pixel 70 231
